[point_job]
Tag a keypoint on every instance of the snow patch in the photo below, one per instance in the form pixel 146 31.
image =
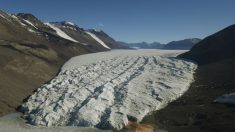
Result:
pixel 61 33
pixel 70 23
pixel 97 39
pixel 226 99
pixel 31 24
pixel 104 93
pixel 31 30
pixel 69 27
pixel 4 17
pixel 17 19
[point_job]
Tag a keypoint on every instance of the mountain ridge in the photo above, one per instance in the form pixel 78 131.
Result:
pixel 184 44
pixel 216 47
pixel 214 78
pixel 32 52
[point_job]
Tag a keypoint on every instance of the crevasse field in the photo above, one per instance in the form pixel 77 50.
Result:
pixel 104 89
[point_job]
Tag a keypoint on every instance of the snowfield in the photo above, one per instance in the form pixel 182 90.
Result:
pixel 31 24
pixel 97 39
pixel 61 33
pixel 104 89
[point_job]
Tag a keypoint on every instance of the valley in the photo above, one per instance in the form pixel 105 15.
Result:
pixel 117 66
pixel 104 94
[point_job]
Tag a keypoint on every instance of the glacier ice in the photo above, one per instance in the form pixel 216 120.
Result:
pixel 105 93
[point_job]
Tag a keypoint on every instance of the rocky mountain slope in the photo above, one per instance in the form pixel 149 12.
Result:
pixel 185 44
pixel 110 42
pixel 196 110
pixel 31 53
pixel 216 47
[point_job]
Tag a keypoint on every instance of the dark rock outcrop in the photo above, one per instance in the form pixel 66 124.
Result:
pixel 185 44
pixel 217 47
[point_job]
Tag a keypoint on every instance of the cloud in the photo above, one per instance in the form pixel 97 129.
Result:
pixel 101 25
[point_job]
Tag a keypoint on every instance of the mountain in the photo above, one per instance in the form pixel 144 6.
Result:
pixel 90 37
pixel 185 44
pixel 214 78
pixel 143 45
pixel 110 42
pixel 216 47
pixel 32 52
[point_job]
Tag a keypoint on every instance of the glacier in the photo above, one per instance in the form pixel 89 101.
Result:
pixel 105 89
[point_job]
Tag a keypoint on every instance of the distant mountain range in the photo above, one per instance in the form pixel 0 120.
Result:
pixel 143 45
pixel 185 44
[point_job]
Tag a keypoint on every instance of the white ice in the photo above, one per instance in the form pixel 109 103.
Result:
pixel 98 39
pixel 109 87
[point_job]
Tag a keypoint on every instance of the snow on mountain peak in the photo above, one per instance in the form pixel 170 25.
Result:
pixel 61 33
pixel 64 23
pixel 30 23
pixel 69 23
pixel 97 39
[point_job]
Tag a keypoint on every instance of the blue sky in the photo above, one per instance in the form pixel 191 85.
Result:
pixel 135 20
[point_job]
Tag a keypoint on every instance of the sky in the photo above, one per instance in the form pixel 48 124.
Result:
pixel 135 20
